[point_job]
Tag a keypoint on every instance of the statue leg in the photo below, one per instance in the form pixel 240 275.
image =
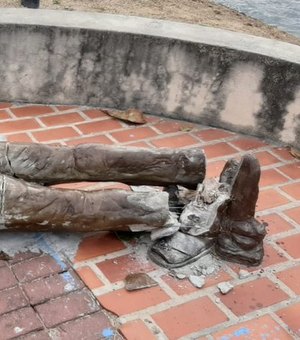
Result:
pixel 31 207
pixel 46 164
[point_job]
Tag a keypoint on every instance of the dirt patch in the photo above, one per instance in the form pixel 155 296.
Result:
pixel 202 12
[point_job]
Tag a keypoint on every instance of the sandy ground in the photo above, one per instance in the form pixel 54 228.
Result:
pixel 202 12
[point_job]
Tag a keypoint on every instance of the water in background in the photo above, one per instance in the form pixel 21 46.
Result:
pixel 285 14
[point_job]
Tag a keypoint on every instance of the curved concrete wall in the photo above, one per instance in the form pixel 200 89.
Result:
pixel 206 75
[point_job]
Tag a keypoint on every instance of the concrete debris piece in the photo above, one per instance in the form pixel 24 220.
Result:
pixel 197 281
pixel 180 276
pixel 199 216
pixel 196 271
pixel 243 274
pixel 202 271
pixel 225 287
pixel 139 281
pixel 209 191
pixel 208 271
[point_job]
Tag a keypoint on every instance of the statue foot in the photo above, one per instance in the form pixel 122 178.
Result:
pixel 241 235
pixel 228 249
pixel 179 250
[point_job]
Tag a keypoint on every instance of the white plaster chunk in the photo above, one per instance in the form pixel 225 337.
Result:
pixel 180 276
pixel 225 287
pixel 243 274
pixel 18 330
pixel 208 270
pixel 197 281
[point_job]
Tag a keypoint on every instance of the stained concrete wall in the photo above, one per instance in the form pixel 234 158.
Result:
pixel 206 75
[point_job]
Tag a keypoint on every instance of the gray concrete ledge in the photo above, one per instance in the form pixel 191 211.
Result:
pixel 151 27
pixel 212 76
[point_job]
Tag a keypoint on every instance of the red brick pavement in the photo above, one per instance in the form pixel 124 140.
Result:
pixel 265 305
pixel 42 298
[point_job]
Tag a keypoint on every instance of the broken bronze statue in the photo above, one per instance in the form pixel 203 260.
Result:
pixel 185 223
pixel 31 206
pixel 221 214
pixel 45 164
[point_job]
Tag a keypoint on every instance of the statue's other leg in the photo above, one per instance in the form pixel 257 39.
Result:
pixel 241 235
pixel 25 206
pixel 46 164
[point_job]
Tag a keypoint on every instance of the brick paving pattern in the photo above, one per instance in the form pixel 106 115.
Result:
pixel 42 299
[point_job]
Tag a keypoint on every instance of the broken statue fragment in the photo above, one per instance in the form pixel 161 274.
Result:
pixel 185 223
pixel 220 215
pixel 241 235
pixel 32 206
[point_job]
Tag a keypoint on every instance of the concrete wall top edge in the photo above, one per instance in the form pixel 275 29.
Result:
pixel 153 27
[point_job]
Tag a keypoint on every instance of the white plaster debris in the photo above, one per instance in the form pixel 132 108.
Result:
pixel 243 274
pixel 180 276
pixel 208 264
pixel 12 243
pixel 139 250
pixel 225 287
pixel 197 281
pixel 204 266
pixel 18 330
pixel 209 270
